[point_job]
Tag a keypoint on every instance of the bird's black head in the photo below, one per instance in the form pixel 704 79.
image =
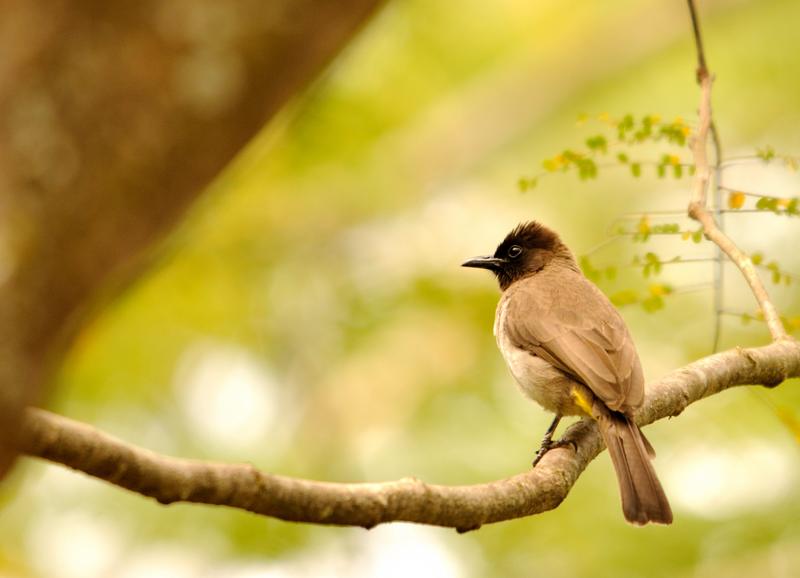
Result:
pixel 524 251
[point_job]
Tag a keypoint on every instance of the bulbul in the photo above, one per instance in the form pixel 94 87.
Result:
pixel 570 351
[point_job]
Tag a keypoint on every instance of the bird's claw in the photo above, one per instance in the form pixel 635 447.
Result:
pixel 548 445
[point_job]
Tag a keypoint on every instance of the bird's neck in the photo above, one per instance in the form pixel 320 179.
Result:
pixel 563 258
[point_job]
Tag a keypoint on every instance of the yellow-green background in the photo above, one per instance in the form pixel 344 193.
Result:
pixel 311 316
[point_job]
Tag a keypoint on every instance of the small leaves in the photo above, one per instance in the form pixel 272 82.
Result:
pixel 772 266
pixel 766 154
pixel 767 204
pixel 672 162
pixel 588 269
pixel 527 184
pixel 594 273
pixel 655 300
pixel 624 126
pixel 630 131
pixel 597 143
pixel 652 265
pixel 778 205
pixel 644 229
pixel 659 290
pixel 675 132
pixel 623 298
pixel 651 301
pixel 776 274
pixel 587 168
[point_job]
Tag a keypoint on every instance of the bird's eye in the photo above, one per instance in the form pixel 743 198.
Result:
pixel 514 251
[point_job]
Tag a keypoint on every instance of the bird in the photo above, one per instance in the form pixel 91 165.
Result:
pixel 570 351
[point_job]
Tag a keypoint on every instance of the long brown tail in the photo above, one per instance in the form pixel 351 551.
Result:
pixel 643 498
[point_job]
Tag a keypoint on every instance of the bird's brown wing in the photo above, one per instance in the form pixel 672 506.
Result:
pixel 573 326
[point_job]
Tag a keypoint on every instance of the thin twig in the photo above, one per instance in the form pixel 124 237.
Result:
pixel 698 205
pixel 757 195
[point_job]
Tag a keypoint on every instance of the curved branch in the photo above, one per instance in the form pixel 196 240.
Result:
pixel 166 479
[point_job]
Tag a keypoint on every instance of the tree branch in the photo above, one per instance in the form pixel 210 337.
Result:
pixel 166 479
pixel 698 206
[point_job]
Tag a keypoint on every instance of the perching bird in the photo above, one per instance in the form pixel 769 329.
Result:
pixel 570 351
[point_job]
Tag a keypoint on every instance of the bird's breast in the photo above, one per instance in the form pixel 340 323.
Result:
pixel 536 378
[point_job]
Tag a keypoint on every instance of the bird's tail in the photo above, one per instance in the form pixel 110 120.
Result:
pixel 643 498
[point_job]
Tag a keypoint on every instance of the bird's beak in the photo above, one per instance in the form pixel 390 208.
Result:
pixel 488 262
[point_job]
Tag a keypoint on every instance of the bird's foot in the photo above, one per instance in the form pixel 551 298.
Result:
pixel 547 445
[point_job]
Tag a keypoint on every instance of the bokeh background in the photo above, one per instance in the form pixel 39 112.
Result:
pixel 311 317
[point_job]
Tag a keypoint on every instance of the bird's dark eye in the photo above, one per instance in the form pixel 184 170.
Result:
pixel 514 251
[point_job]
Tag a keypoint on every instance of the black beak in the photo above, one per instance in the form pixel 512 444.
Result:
pixel 488 262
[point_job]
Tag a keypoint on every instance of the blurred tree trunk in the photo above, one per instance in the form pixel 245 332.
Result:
pixel 113 117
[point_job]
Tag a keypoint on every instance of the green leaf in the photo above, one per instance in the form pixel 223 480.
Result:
pixel 588 269
pixel 623 158
pixel 587 169
pixel 767 204
pixel 597 143
pixel 766 154
pixel 626 297
pixel 697 236
pixel 636 170
pixel 653 303
pixel 757 258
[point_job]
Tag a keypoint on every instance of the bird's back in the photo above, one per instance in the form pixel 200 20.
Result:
pixel 562 318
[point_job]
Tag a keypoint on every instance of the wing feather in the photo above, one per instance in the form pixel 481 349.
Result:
pixel 573 326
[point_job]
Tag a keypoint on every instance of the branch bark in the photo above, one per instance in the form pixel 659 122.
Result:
pixel 168 480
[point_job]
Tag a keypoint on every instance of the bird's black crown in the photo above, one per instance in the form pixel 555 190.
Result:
pixel 529 235
pixel 525 250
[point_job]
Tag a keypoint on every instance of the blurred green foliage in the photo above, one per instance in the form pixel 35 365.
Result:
pixel 324 261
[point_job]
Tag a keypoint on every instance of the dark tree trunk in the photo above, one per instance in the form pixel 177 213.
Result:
pixel 113 118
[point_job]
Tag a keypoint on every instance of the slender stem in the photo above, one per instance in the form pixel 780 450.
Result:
pixel 749 194
pixel 698 206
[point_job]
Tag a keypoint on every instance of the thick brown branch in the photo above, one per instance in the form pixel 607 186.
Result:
pixel 698 209
pixel 242 486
